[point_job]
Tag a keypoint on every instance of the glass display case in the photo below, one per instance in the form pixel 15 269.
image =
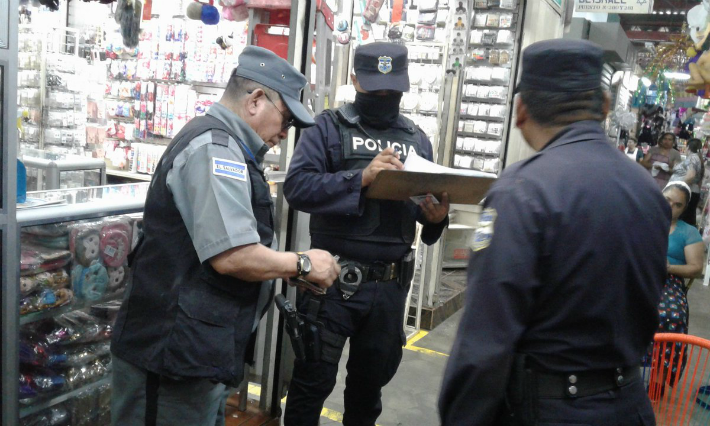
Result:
pixel 48 170
pixel 73 250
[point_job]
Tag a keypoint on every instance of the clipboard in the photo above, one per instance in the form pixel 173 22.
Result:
pixel 399 185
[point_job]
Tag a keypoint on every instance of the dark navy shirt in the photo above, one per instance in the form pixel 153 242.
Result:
pixel 316 183
pixel 570 272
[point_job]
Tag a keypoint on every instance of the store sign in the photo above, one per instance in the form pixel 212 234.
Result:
pixel 614 6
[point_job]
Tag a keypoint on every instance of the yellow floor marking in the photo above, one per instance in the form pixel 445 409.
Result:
pixel 414 339
pixel 255 390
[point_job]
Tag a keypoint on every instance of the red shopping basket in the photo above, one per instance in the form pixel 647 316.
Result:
pixel 678 379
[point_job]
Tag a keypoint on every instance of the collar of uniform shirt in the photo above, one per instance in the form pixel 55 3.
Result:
pixel 577 132
pixel 255 144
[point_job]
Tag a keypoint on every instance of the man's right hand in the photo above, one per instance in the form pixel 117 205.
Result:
pixel 324 268
pixel 385 160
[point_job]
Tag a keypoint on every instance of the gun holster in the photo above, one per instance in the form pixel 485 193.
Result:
pixel 406 269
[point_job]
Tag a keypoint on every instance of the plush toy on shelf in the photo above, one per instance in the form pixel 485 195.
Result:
pixel 204 12
pixel 234 10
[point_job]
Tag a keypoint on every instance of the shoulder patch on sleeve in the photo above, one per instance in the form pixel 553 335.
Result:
pixel 229 169
pixel 484 231
pixel 220 137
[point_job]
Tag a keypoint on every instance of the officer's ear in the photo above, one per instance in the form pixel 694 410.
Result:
pixel 522 115
pixel 606 105
pixel 253 99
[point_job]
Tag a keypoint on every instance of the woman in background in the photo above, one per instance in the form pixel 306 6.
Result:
pixel 661 159
pixel 691 171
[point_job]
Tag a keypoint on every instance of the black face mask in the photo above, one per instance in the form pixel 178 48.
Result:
pixel 377 111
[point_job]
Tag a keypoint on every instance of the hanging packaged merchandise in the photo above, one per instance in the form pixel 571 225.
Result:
pixel 484 110
pixel 493 3
pixel 472 109
pixel 490 165
pixel 128 16
pixel 481 4
pixel 478 55
pixel 508 4
pixel 469 144
pixel 468 126
pixel 480 20
pixel 489 38
pixel 408 33
pixel 505 57
pixel 480 127
pixel 483 92
pixel 482 74
pixel 498 93
pixel 458 39
pixel 493 20
pixel 494 57
pixel 500 74
pixel 494 147
pixel 410 101
pixel 427 18
pixel 460 143
pixel 498 111
pixel 428 102
pixel 495 129
pixel 478 163
pixel 476 37
pixel 459 24
pixel 505 37
pixel 506 20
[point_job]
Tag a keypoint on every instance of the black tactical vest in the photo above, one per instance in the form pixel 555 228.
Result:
pixel 180 318
pixel 383 220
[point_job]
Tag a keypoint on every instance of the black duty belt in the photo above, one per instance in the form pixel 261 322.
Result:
pixel 576 385
pixel 355 272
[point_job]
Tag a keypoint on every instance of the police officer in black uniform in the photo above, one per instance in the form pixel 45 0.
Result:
pixel 334 163
pixel 202 273
pixel 567 269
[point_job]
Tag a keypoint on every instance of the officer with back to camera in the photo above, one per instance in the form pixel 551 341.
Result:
pixel 202 273
pixel 334 163
pixel 568 265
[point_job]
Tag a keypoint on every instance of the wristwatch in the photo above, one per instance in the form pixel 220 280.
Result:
pixel 303 267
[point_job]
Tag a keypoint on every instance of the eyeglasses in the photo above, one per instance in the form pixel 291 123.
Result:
pixel 285 123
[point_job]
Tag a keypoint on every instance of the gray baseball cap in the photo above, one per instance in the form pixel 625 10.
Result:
pixel 265 67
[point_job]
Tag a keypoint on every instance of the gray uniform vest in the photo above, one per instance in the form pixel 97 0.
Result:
pixel 180 318
pixel 383 220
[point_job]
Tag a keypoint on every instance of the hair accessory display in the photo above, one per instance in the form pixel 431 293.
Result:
pixel 117 277
pixel 85 244
pixel 36 259
pixel 115 243
pixel 89 283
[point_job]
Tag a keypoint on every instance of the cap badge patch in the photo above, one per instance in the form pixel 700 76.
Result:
pixel 385 64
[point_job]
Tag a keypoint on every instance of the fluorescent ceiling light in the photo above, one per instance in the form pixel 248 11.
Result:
pixel 676 75
pixel 645 81
pixel 668 12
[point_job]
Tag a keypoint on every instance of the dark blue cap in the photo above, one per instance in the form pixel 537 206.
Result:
pixel 561 65
pixel 382 66
pixel 265 67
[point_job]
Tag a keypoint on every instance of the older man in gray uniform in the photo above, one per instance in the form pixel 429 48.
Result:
pixel 201 275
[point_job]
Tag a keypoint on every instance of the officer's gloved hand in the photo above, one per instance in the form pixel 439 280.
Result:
pixel 324 268
pixel 388 159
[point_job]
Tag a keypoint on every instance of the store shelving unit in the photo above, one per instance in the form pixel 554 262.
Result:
pixel 95 203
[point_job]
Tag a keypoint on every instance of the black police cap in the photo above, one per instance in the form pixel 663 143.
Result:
pixel 561 65
pixel 382 66
pixel 265 67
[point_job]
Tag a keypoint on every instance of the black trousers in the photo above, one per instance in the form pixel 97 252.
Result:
pixel 373 321
pixel 690 214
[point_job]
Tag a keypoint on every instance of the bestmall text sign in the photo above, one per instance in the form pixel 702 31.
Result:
pixel 614 6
